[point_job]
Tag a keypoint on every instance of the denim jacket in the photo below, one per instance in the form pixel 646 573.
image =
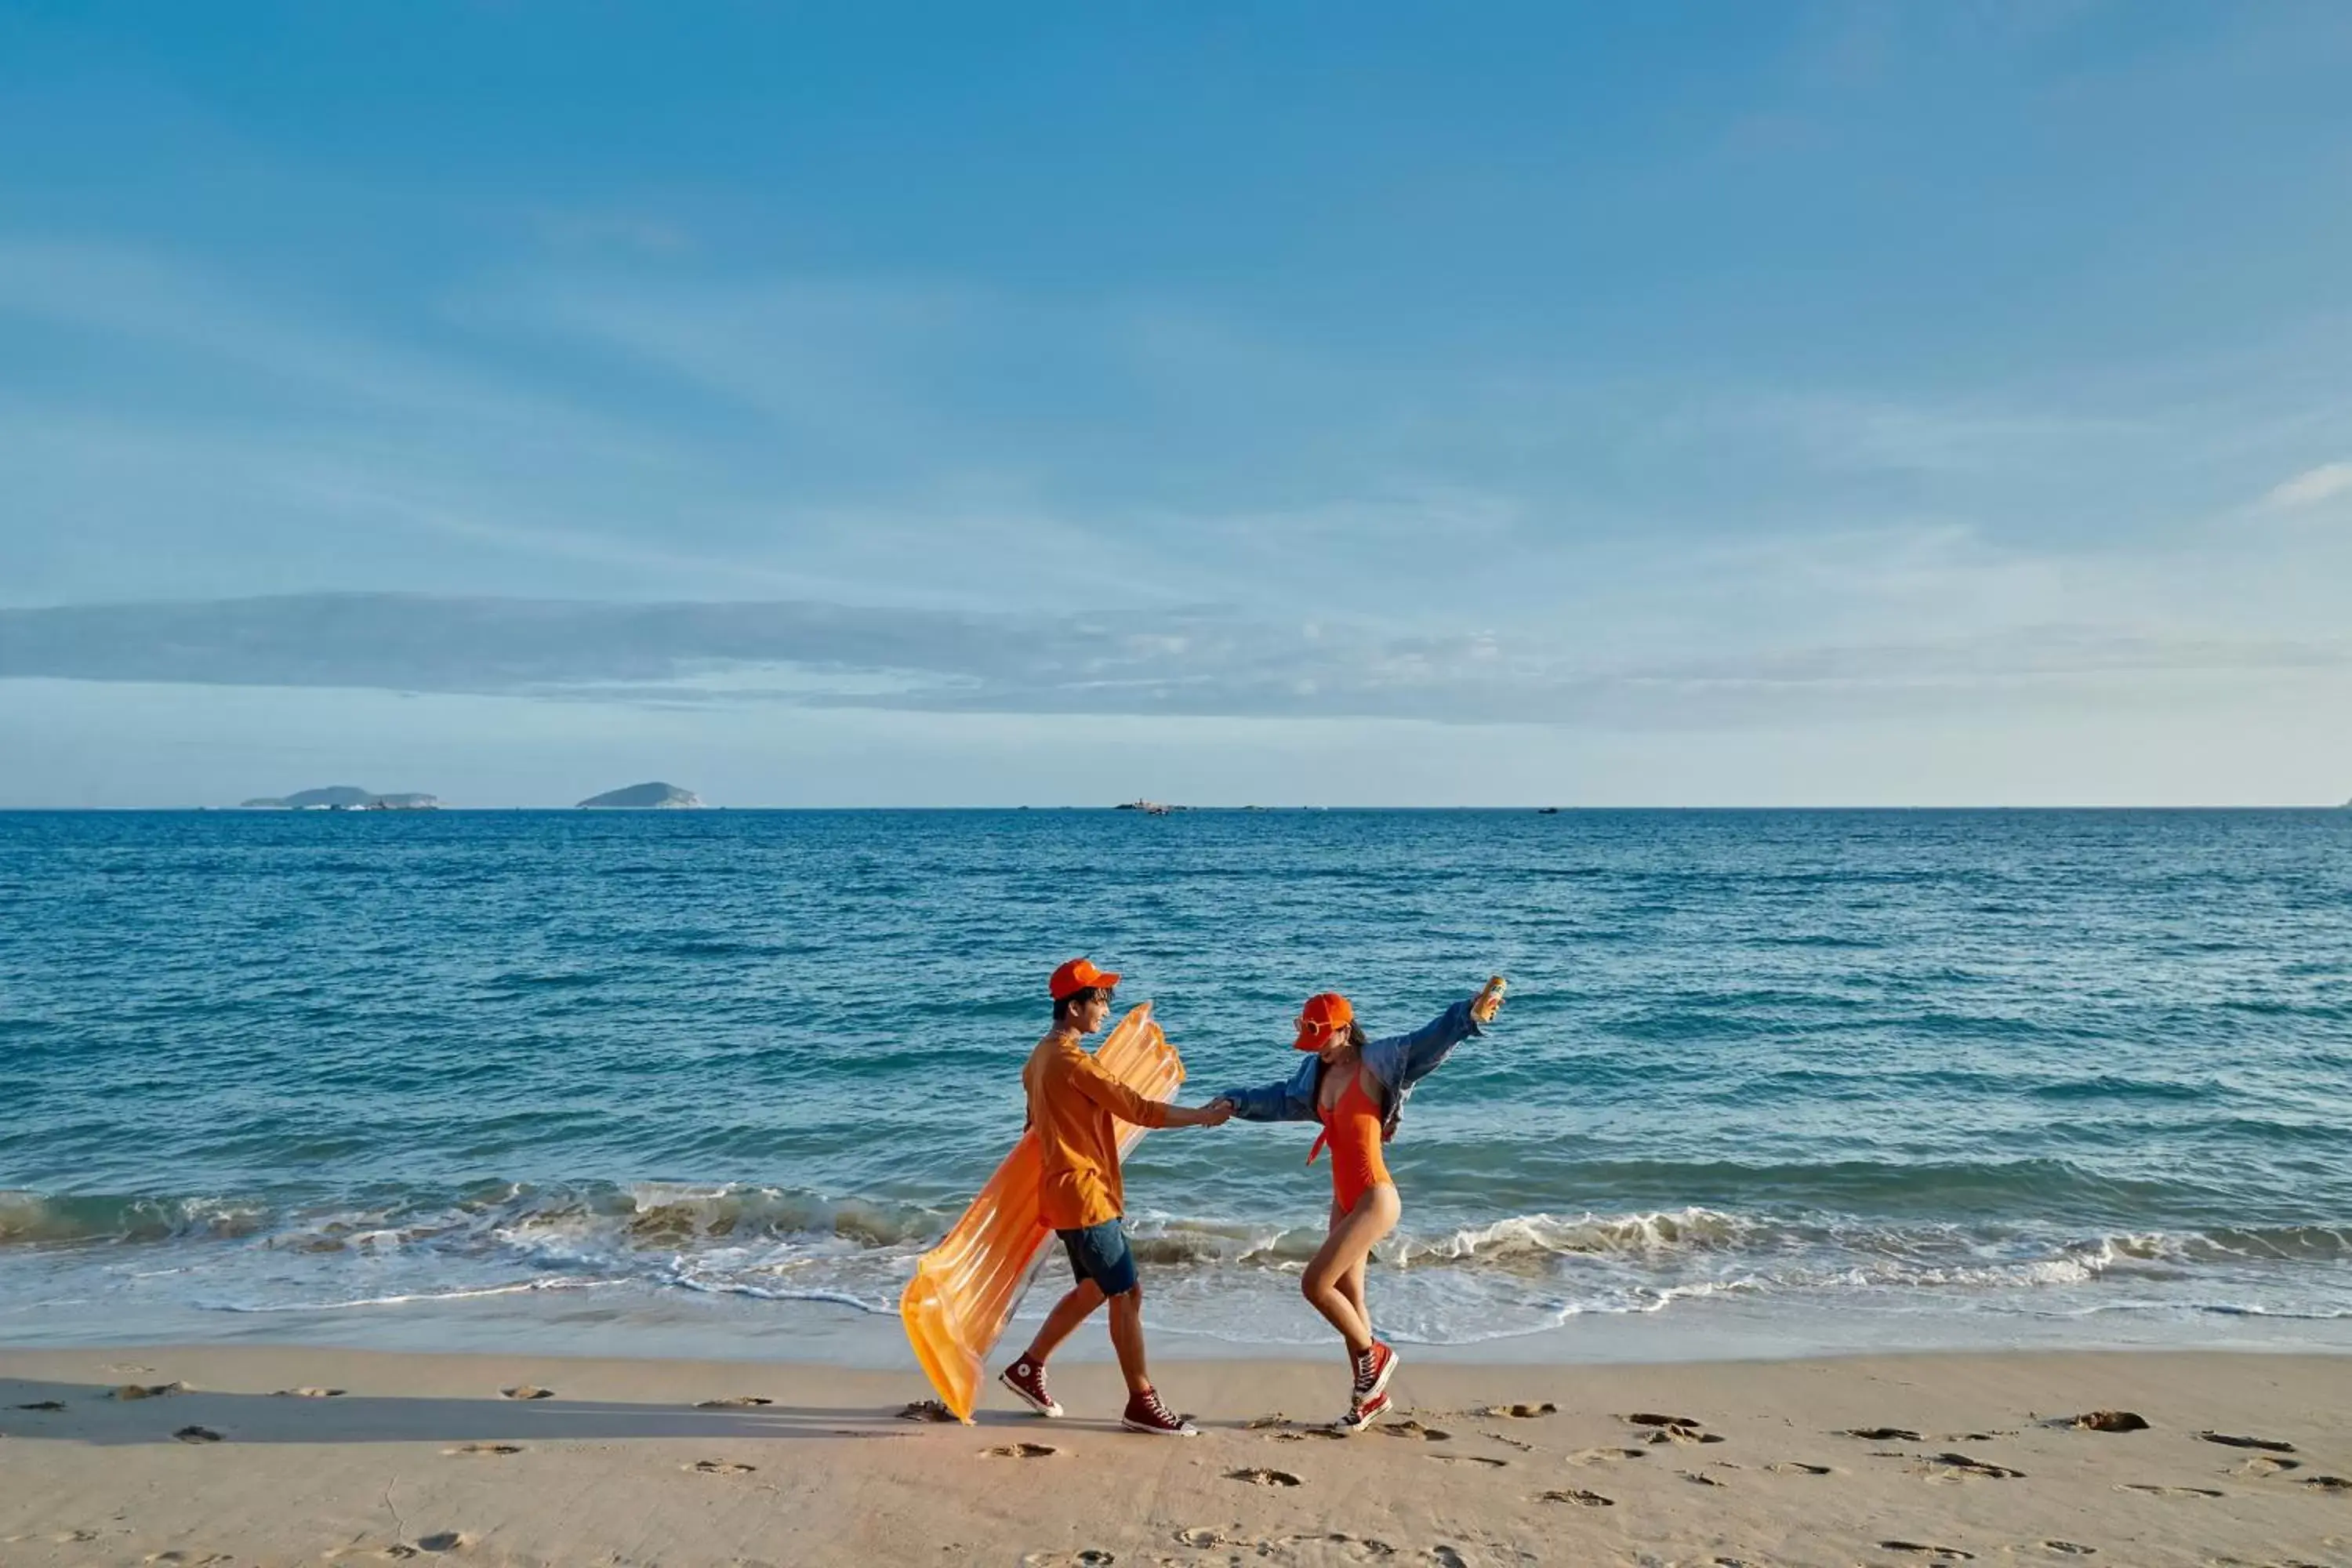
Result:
pixel 1396 1064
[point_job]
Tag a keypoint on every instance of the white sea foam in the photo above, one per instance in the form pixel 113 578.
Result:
pixel 1218 1276
pixel 412 1297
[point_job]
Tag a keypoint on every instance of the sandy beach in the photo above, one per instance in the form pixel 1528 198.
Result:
pixel 253 1456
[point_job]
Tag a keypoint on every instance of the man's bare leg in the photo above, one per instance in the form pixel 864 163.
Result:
pixel 1127 1339
pixel 1063 1322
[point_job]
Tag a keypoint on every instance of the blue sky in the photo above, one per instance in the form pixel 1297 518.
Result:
pixel 1389 405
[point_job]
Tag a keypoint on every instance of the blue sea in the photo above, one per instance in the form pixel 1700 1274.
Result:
pixel 1767 1081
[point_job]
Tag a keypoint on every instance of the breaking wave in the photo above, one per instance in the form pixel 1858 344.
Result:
pixel 249 1254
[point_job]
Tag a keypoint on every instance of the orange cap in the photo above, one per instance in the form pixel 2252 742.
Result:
pixel 1080 974
pixel 1326 1013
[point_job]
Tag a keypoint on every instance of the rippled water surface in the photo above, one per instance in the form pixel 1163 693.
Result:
pixel 271 1068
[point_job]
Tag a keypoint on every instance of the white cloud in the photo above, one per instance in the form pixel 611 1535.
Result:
pixel 816 655
pixel 2312 486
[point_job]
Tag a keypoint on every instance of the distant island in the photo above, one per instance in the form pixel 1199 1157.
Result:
pixel 654 796
pixel 1148 807
pixel 342 797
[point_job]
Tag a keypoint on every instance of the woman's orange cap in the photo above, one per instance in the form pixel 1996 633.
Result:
pixel 1080 974
pixel 1326 1013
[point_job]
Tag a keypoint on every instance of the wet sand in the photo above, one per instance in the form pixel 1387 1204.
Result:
pixel 281 1455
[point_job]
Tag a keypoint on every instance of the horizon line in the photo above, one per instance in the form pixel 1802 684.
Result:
pixel 1533 809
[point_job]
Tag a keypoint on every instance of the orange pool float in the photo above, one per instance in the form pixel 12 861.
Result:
pixel 965 1288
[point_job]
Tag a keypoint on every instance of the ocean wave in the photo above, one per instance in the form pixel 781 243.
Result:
pixel 1522 1237
pixel 38 1218
pixel 1492 1276
pixel 686 1217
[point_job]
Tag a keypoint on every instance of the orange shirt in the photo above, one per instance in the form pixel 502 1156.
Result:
pixel 1075 1105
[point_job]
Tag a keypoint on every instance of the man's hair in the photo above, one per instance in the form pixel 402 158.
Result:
pixel 1066 1006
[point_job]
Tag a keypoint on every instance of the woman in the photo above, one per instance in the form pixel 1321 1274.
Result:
pixel 1357 1088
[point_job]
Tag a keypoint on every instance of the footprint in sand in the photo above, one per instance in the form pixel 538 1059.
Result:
pixel 2272 1444
pixel 1672 1428
pixel 1955 1466
pixel 1416 1429
pixel 1520 1412
pixel 1089 1557
pixel 1300 1434
pixel 1201 1538
pixel 1021 1451
pixel 736 1402
pixel 177 1559
pixel 1605 1456
pixel 2268 1465
pixel 444 1541
pixel 1682 1435
pixel 1447 1557
pixel 2103 1421
pixel 1262 1477
pixel 2326 1483
pixel 1509 1442
pixel 499 1448
pixel 43 1404
pixel 1944 1553
pixel 197 1434
pixel 1359 1547
pixel 148 1390
pixel 2070 1549
pixel 1881 1434
pixel 1796 1468
pixel 525 1391
pixel 1700 1477
pixel 1471 1459
pixel 309 1394
pixel 1580 1497
pixel 926 1410
pixel 719 1467
pixel 2167 1491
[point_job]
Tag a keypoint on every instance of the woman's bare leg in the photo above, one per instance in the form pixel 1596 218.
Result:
pixel 1343 1252
pixel 1351 1284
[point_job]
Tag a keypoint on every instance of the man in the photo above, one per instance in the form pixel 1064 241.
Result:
pixel 1075 1108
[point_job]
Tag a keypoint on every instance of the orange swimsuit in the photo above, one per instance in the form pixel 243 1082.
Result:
pixel 1352 1127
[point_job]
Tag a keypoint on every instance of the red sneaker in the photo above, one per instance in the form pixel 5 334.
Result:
pixel 1374 1370
pixel 1363 1412
pixel 1146 1414
pixel 1026 1378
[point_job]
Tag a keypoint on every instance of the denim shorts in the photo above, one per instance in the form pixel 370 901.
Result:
pixel 1100 1253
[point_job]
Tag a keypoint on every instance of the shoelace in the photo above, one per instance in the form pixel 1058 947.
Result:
pixel 1157 1411
pixel 1365 1369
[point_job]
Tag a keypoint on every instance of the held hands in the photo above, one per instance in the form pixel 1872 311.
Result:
pixel 1488 1001
pixel 1217 1113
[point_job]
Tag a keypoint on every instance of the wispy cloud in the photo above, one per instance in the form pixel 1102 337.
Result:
pixel 812 654
pixel 2312 486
